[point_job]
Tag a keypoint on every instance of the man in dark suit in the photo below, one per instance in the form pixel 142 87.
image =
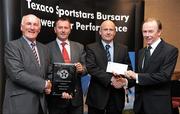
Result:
pixel 67 104
pixel 106 94
pixel 152 88
pixel 26 71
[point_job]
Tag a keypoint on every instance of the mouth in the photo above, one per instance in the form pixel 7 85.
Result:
pixel 31 32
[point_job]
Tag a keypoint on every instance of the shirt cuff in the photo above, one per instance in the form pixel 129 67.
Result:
pixel 137 81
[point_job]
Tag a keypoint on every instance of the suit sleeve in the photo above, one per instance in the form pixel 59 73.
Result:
pixel 16 71
pixel 82 59
pixel 97 73
pixel 162 69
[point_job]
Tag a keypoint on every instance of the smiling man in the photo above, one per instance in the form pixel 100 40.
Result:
pixel 156 63
pixel 106 93
pixel 26 63
pixel 62 50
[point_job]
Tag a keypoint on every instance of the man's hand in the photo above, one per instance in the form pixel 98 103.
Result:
pixel 130 74
pixel 48 87
pixel 66 95
pixel 118 82
pixel 79 67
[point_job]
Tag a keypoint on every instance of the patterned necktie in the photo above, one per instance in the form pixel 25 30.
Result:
pixel 107 52
pixel 65 53
pixel 33 45
pixel 147 56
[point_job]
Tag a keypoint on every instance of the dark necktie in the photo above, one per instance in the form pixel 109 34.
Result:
pixel 65 53
pixel 34 52
pixel 107 52
pixel 147 56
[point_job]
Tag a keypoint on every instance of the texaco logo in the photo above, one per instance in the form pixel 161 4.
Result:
pixel 63 74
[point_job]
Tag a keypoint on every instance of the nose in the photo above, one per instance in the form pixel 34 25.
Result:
pixel 63 29
pixel 146 34
pixel 108 31
pixel 32 26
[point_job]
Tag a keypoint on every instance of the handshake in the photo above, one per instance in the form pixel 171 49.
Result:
pixel 118 81
pixel 130 74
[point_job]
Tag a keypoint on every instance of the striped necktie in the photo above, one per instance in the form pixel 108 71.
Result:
pixel 107 52
pixel 33 45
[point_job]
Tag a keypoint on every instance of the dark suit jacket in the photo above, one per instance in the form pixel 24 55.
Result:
pixel 77 55
pixel 153 90
pixel 100 88
pixel 25 80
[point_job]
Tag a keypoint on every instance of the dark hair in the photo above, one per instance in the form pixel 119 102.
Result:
pixel 63 18
pixel 159 24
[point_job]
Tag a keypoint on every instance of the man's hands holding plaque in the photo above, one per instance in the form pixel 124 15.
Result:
pixel 48 87
pixel 79 67
pixel 66 95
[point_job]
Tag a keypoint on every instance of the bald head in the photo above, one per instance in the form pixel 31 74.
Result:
pixel 107 23
pixel 107 31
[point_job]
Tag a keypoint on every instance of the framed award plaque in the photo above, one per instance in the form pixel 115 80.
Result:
pixel 63 78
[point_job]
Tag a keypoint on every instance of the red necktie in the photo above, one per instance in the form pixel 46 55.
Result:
pixel 65 53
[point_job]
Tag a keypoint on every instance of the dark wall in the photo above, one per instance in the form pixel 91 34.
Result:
pixel 10 14
pixel 1 58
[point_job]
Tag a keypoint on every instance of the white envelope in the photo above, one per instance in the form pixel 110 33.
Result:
pixel 117 68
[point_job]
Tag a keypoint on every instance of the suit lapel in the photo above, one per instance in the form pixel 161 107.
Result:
pixel 29 51
pixel 141 57
pixel 154 55
pixel 73 51
pixel 30 54
pixel 41 57
pixel 116 52
pixel 57 52
pixel 102 52
pixel 157 51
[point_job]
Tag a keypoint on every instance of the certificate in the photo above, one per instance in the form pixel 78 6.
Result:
pixel 63 78
pixel 117 68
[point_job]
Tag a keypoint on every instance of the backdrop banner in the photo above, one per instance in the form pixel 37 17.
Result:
pixel 86 17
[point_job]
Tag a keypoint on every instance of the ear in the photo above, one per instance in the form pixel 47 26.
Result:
pixel 21 28
pixel 100 31
pixel 55 30
pixel 159 32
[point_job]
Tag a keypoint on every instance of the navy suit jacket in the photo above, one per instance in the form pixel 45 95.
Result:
pixel 100 89
pixel 154 89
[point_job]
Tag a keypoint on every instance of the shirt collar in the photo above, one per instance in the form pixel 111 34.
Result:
pixel 154 45
pixel 104 43
pixel 59 41
pixel 28 41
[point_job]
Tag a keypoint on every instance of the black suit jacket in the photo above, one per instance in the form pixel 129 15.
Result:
pixel 100 88
pixel 153 90
pixel 77 55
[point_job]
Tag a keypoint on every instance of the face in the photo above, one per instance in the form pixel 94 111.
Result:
pixel 150 31
pixel 30 27
pixel 62 29
pixel 107 31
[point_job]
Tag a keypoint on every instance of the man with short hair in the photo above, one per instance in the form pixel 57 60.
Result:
pixel 26 63
pixel 156 63
pixel 62 50
pixel 106 94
